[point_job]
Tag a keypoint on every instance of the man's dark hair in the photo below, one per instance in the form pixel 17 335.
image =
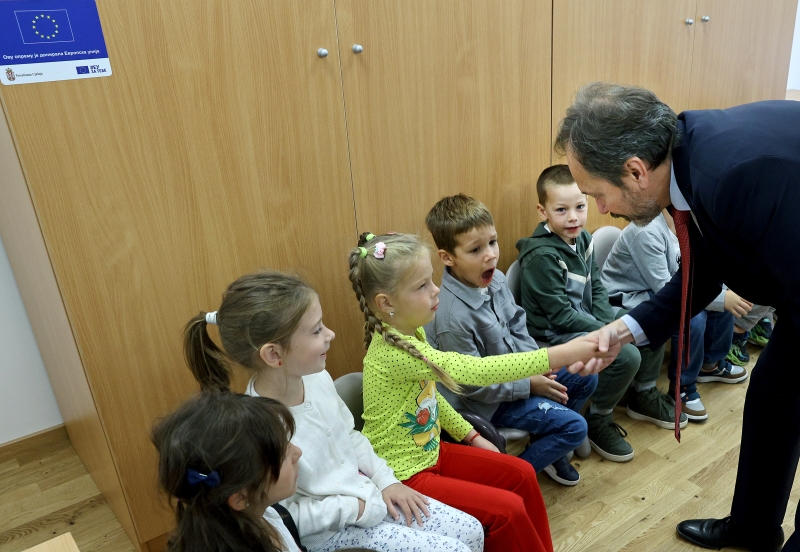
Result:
pixel 609 123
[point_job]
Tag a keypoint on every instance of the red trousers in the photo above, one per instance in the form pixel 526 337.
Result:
pixel 500 490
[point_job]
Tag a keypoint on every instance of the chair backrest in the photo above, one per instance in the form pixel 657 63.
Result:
pixel 513 277
pixel 604 239
pixel 350 388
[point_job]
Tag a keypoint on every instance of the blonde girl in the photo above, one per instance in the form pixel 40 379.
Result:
pixel 271 323
pixel 404 414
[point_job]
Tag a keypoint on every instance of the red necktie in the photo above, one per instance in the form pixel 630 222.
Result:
pixel 681 219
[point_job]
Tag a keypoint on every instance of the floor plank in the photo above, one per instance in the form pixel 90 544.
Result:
pixel 45 491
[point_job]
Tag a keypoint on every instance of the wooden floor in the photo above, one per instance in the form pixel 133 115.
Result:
pixel 45 490
pixel 635 507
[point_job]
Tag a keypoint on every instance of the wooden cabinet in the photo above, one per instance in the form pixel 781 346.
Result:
pixel 695 54
pixel 213 150
pixel 741 52
pixel 229 144
pixel 446 97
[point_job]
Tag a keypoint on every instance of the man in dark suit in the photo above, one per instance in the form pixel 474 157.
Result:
pixel 737 173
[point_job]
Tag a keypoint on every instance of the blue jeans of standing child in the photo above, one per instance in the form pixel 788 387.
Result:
pixel 710 335
pixel 557 428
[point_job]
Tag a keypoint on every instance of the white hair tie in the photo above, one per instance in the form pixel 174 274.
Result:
pixel 211 317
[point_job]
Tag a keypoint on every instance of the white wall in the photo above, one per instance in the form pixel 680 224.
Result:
pixel 794 64
pixel 27 403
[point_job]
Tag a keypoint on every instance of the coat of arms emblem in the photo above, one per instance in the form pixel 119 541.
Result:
pixel 10 74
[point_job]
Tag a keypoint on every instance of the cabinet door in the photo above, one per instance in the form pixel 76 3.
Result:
pixel 741 53
pixel 635 42
pixel 217 147
pixel 446 97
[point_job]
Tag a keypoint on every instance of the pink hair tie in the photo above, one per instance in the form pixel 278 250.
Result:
pixel 380 250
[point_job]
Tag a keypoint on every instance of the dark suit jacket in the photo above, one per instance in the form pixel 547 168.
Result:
pixel 739 170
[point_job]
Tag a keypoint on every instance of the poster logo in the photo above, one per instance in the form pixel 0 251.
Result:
pixel 10 74
pixel 44 26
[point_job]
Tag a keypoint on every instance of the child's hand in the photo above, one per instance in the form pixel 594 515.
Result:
pixel 583 356
pixel 549 388
pixel 480 442
pixel 361 506
pixel 410 502
pixel 736 305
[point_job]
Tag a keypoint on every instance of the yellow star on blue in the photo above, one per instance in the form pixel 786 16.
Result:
pixel 47 26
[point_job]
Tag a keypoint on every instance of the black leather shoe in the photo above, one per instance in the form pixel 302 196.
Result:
pixel 719 533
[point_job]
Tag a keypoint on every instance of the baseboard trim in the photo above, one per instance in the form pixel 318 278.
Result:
pixel 33 441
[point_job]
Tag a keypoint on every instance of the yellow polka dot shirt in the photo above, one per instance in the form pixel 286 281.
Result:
pixel 403 412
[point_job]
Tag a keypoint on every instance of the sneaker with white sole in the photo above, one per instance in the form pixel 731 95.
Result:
pixel 723 372
pixel 607 438
pixel 692 405
pixel 651 405
pixel 561 471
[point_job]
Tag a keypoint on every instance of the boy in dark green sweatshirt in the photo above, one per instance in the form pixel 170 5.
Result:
pixel 564 298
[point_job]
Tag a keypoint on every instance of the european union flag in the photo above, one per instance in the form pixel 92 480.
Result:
pixel 82 69
pixel 43 26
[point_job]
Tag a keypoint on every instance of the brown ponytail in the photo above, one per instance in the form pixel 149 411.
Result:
pixel 206 361
pixel 371 276
pixel 260 308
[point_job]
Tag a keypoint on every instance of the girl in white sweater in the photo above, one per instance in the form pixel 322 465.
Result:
pixel 346 495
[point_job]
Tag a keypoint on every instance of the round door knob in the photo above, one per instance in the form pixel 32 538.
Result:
pixel 322 52
pixel 357 48
pixel 706 19
pixel 690 21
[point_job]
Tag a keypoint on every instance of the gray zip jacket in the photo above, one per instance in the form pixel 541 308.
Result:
pixel 642 261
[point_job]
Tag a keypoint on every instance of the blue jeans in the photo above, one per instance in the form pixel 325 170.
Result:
pixel 710 335
pixel 557 429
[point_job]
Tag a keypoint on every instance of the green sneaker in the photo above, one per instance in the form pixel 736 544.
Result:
pixel 738 353
pixel 608 438
pixel 655 407
pixel 761 332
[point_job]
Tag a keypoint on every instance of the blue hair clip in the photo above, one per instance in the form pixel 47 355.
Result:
pixel 195 477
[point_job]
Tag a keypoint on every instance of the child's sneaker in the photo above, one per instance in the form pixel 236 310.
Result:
pixel 723 372
pixel 693 407
pixel 608 438
pixel 761 333
pixel 654 406
pixel 738 353
pixel 561 471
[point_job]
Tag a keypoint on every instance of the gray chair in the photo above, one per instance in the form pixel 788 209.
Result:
pixel 513 279
pixel 350 388
pixel 604 239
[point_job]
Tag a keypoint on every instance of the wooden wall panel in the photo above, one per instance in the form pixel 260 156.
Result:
pixel 33 273
pixel 637 42
pixel 217 147
pixel 447 97
pixel 741 54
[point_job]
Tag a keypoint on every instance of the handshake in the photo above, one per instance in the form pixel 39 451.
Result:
pixel 591 353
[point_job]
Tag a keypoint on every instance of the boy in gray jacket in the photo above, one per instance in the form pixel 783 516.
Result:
pixel 564 298
pixel 642 261
pixel 477 316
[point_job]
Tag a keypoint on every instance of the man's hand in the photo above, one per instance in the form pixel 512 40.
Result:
pixel 549 388
pixel 412 504
pixel 608 342
pixel 736 305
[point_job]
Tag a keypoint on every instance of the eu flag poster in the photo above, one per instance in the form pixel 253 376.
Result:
pixel 51 40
